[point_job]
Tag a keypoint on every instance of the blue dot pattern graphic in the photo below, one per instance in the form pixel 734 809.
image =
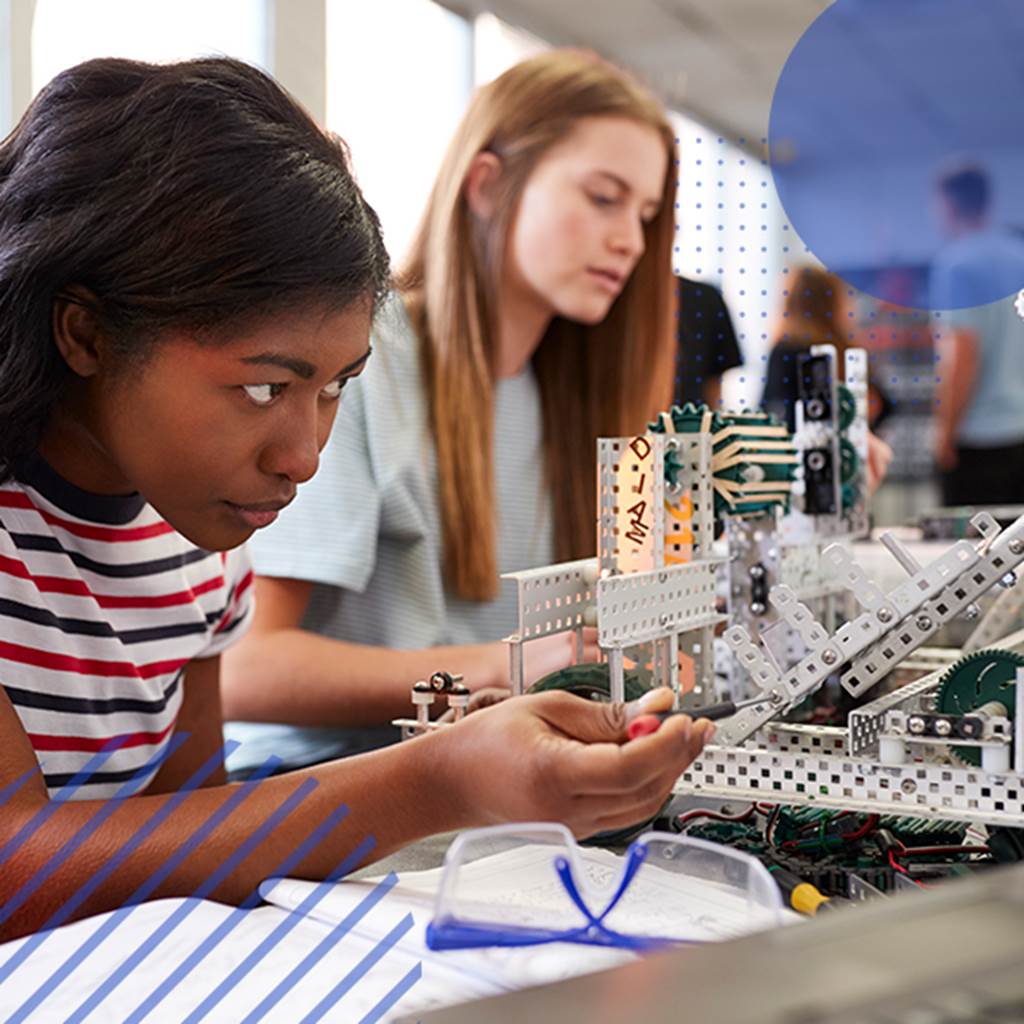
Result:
pixel 756 269
pixel 895 149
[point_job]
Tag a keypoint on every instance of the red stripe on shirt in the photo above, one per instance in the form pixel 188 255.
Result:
pixel 161 600
pixel 87 666
pixel 108 534
pixel 229 612
pixel 77 588
pixel 42 741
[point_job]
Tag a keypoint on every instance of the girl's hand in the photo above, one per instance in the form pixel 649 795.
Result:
pixel 558 757
pixel 879 457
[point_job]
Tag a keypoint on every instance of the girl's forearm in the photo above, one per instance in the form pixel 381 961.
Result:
pixel 83 857
pixel 295 676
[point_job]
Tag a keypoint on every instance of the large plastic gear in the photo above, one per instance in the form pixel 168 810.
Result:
pixel 590 680
pixel 849 461
pixel 974 680
pixel 849 468
pixel 753 468
pixel 847 407
pixel 686 419
pixel 728 429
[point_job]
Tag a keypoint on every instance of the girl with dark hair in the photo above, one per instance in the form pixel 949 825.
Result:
pixel 187 278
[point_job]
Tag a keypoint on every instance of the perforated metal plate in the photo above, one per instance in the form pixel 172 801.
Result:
pixel 642 606
pixel 865 723
pixel 829 780
pixel 553 598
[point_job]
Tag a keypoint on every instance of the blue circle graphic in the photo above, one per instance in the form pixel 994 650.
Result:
pixel 895 148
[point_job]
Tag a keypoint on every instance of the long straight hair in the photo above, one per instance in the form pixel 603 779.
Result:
pixel 812 310
pixel 600 380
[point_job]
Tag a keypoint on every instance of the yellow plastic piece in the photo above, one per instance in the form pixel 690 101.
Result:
pixel 806 899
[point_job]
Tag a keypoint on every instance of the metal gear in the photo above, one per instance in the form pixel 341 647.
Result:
pixel 974 680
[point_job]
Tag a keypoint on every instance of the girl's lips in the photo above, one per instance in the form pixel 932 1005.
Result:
pixel 254 516
pixel 608 279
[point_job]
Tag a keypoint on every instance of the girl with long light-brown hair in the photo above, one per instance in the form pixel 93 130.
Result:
pixel 533 316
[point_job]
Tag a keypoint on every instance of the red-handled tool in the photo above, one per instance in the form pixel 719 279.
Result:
pixel 651 722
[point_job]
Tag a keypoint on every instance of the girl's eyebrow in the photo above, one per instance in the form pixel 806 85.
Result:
pixel 352 367
pixel 621 183
pixel 300 367
pixel 297 366
pixel 614 178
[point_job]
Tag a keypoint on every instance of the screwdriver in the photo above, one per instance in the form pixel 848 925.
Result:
pixel 802 896
pixel 651 722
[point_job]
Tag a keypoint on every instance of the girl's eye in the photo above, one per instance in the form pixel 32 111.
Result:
pixel 263 394
pixel 333 390
pixel 599 200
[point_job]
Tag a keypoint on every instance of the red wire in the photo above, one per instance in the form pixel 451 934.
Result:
pixel 863 830
pixel 715 815
pixel 894 865
pixel 909 851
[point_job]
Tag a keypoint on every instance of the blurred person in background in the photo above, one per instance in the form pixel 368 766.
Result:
pixel 817 311
pixel 979 409
pixel 707 344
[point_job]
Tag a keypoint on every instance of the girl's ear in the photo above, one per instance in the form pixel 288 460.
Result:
pixel 76 331
pixel 482 184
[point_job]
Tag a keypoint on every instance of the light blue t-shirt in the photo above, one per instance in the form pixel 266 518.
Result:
pixel 365 530
pixel 985 263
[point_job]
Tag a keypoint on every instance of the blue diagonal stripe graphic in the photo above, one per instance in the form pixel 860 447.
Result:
pixel 203 890
pixel 107 808
pixel 126 850
pixel 359 971
pixel 43 815
pixel 394 995
pixel 12 787
pixel 144 890
pixel 283 987
pixel 280 932
pixel 235 918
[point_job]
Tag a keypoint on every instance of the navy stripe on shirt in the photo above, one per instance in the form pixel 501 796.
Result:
pixel 91 705
pixel 87 627
pixel 34 542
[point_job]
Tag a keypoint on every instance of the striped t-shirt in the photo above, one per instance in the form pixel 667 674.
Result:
pixel 102 606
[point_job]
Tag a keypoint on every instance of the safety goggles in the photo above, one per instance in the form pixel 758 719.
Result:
pixel 521 885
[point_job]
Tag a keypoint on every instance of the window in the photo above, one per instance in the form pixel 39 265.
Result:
pixel 6 68
pixel 66 32
pixel 498 45
pixel 398 78
pixel 728 231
